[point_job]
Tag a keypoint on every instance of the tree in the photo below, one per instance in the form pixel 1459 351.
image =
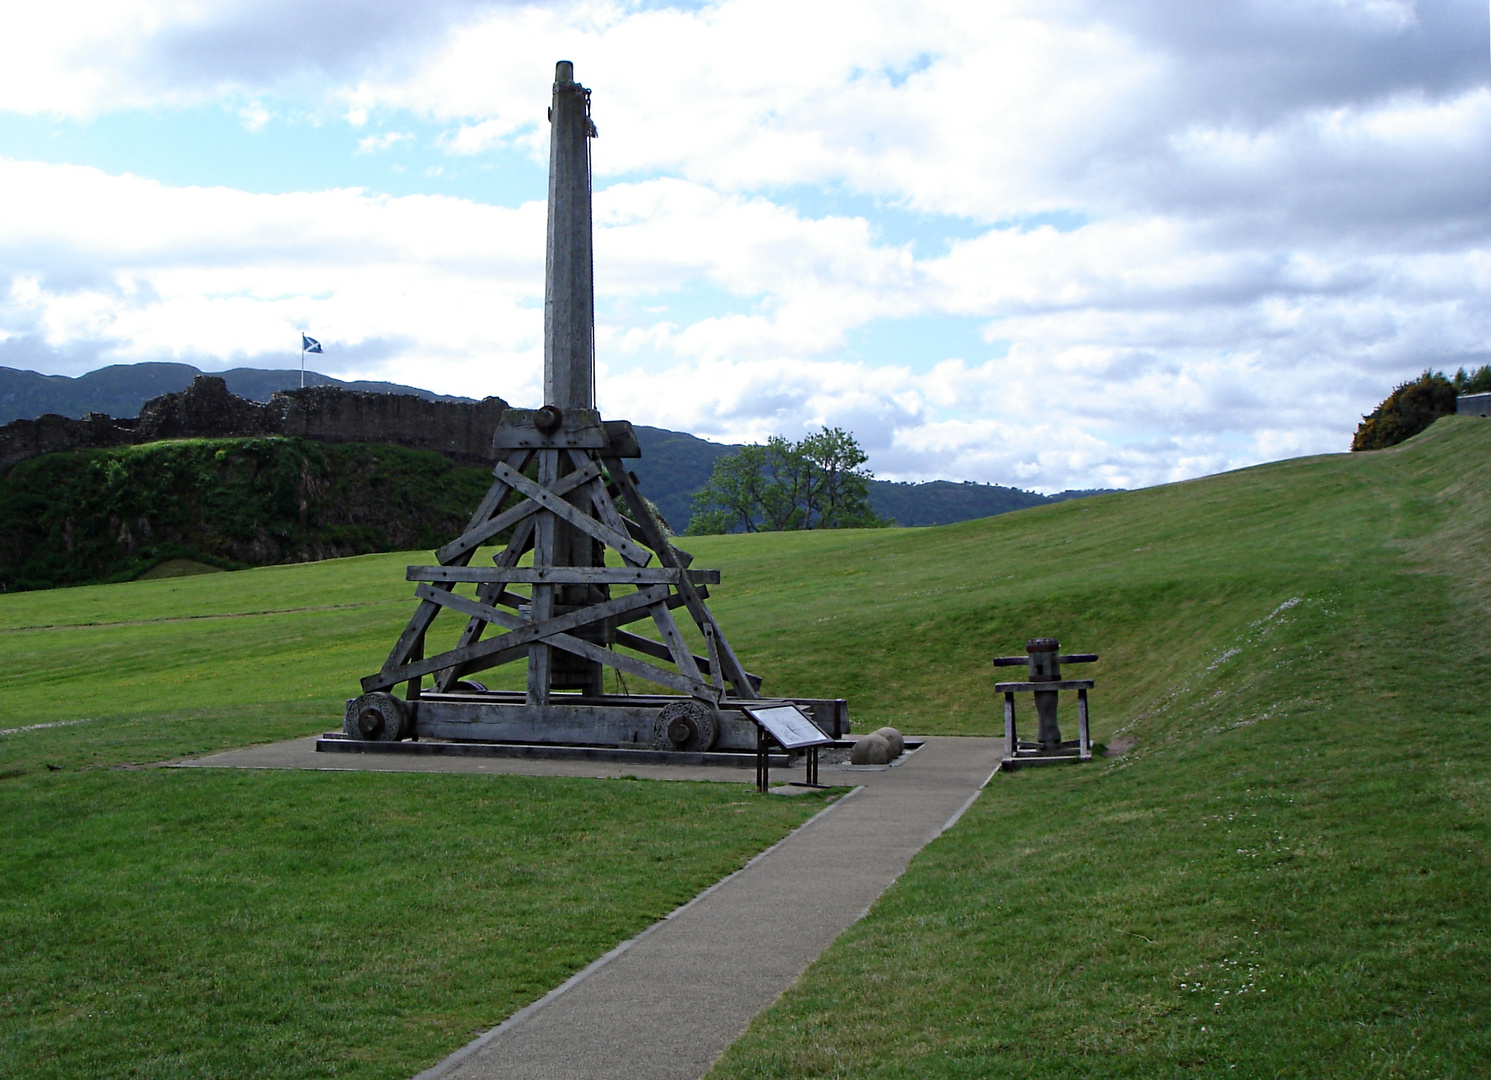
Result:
pixel 1408 410
pixel 818 483
pixel 1474 382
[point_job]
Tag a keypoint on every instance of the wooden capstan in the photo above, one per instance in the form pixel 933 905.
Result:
pixel 562 486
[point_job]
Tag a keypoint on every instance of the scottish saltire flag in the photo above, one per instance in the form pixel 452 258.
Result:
pixel 309 344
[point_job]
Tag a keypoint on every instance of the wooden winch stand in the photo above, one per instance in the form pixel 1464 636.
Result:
pixel 1045 683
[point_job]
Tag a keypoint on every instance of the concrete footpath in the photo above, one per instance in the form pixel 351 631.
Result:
pixel 667 1003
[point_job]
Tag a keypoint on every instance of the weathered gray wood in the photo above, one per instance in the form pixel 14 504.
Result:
pixel 733 669
pixel 650 597
pixel 711 646
pixel 496 493
pixel 632 553
pixel 414 632
pixel 683 656
pixel 522 634
pixel 1059 684
pixel 479 534
pixel 541 607
pixel 493 595
pixel 621 440
pixel 563 575
pixel 569 289
pixel 605 509
pixel 609 723
pixel 686 681
pixel 1084 731
pixel 1011 743
pixel 580 429
pixel 412 689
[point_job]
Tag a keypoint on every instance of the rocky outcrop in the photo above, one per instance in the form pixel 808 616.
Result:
pixel 461 431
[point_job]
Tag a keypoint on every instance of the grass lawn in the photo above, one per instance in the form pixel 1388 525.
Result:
pixel 1286 870
pixel 1286 875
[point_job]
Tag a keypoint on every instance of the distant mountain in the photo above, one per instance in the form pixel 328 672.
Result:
pixel 675 465
pixel 120 389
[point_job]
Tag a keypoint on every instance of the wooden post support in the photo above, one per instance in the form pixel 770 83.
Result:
pixel 569 281
pixel 1011 743
pixel 1084 734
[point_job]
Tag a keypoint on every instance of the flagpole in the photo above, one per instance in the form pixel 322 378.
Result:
pixel 302 359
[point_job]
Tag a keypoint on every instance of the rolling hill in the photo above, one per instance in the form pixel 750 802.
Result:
pixel 1280 866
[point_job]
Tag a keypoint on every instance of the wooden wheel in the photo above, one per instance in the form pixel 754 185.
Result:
pixel 376 717
pixel 685 725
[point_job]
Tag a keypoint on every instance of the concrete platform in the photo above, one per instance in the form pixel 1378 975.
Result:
pixel 667 1003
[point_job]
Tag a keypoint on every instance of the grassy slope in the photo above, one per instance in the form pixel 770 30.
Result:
pixel 1286 876
pixel 1151 888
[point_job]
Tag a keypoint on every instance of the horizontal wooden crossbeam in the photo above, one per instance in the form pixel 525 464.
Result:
pixel 563 575
pixel 1060 684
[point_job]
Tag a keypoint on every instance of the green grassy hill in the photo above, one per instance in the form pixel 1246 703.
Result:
pixel 1285 870
pixel 111 515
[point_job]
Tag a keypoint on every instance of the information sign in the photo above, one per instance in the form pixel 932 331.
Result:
pixel 789 726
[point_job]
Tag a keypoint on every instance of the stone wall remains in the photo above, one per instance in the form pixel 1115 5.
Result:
pixel 461 431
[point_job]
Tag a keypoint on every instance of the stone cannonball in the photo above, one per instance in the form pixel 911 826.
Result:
pixel 893 737
pixel 871 749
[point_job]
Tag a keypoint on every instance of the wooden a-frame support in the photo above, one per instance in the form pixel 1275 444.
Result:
pixel 580 479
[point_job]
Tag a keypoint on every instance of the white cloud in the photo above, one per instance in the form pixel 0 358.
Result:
pixel 372 144
pixel 1269 212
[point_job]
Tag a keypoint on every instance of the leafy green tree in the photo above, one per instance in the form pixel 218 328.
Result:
pixel 1474 382
pixel 1408 410
pixel 818 483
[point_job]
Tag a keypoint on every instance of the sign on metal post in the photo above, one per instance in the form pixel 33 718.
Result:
pixel 789 726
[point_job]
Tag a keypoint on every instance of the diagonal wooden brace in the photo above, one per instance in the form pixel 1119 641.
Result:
pixel 479 534
pixel 524 633
pixel 632 553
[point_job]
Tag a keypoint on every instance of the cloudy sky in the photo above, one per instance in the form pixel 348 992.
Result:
pixel 1052 244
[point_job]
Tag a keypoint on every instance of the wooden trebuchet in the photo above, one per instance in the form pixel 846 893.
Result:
pixel 562 494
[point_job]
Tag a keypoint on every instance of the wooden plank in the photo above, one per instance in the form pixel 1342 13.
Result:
pixel 621 440
pixel 605 509
pixel 493 595
pixel 497 492
pixel 563 575
pixel 581 429
pixel 734 670
pixel 632 553
pixel 1059 684
pixel 658 649
pixel 413 633
pixel 541 607
pixel 479 534
pixel 678 681
pixel 711 646
pixel 1084 730
pixel 522 631
pixel 683 656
